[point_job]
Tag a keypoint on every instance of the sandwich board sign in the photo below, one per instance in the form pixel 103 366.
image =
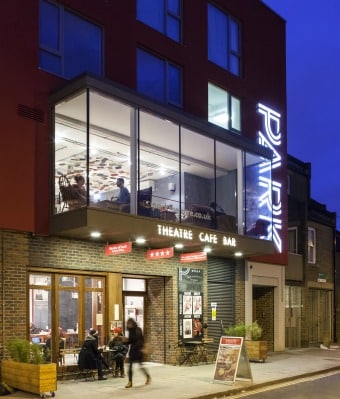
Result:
pixel 231 361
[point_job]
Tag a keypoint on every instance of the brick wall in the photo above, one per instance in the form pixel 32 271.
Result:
pixel 22 252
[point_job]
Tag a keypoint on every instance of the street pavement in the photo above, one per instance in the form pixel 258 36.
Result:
pixel 192 382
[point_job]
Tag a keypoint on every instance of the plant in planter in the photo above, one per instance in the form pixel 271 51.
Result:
pixel 256 349
pixel 26 369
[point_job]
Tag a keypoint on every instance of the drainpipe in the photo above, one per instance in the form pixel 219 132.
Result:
pixel 3 291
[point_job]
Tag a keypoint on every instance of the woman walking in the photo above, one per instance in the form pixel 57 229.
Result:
pixel 136 342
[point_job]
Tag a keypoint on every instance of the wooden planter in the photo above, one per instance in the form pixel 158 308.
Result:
pixel 257 350
pixel 34 378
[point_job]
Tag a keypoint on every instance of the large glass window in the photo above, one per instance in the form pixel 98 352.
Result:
pixel 198 178
pixel 159 178
pixel 228 166
pixel 78 306
pixel 159 79
pixel 258 202
pixel 69 44
pixel 162 15
pixel 40 307
pixel 223 109
pixel 171 171
pixel 224 40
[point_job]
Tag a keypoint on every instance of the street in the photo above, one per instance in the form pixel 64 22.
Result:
pixel 326 387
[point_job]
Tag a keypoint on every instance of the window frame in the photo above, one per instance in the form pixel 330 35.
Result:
pixel 230 53
pixel 229 106
pixel 295 231
pixel 166 85
pixel 168 14
pixel 60 51
pixel 311 245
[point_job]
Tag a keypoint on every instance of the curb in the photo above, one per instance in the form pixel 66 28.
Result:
pixel 253 386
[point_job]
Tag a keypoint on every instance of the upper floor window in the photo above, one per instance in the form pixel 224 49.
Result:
pixel 159 79
pixel 292 240
pixel 162 15
pixel 69 45
pixel 224 40
pixel 311 245
pixel 223 109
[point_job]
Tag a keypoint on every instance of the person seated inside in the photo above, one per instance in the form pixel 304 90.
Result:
pixel 119 352
pixel 124 195
pixel 79 189
pixel 123 200
pixel 90 356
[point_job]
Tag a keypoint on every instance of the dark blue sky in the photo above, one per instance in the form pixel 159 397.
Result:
pixel 313 91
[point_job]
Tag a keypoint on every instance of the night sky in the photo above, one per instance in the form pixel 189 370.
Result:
pixel 313 91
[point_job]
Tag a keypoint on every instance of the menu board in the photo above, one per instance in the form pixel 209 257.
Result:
pixel 228 360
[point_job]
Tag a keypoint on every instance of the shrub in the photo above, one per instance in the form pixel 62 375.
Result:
pixel 251 331
pixel 23 351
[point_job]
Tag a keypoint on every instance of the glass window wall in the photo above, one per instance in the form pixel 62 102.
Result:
pixel 198 178
pixel 159 178
pixel 170 171
pixel 258 197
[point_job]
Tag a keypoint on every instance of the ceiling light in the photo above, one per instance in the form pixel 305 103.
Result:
pixel 95 234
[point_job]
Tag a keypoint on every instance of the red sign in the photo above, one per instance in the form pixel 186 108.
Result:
pixel 116 249
pixel 231 341
pixel 193 257
pixel 160 253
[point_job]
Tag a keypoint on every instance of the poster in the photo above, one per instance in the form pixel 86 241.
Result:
pixel 227 359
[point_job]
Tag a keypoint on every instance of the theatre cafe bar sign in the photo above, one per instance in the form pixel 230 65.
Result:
pixel 187 234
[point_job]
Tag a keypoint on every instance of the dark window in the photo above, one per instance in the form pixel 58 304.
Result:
pixel 69 45
pixel 223 40
pixel 162 15
pixel 158 78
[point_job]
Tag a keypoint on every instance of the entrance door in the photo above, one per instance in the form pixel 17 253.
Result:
pixel 320 316
pixel 134 307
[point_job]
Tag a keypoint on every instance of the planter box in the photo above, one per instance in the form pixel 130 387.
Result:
pixel 256 350
pixel 34 378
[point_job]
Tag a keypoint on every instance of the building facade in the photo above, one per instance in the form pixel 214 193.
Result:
pixel 183 104
pixel 310 274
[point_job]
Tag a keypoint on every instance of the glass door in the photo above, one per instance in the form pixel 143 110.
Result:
pixel 134 307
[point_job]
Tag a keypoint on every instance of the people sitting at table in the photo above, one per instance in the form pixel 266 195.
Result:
pixel 90 356
pixel 119 352
pixel 79 189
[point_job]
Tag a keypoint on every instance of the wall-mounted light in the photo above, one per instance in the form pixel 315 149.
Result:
pixel 238 254
pixel 179 245
pixel 140 240
pixel 207 249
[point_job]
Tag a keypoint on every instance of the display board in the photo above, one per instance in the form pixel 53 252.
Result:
pixel 190 303
pixel 231 361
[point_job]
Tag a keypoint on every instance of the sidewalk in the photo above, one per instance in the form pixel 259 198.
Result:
pixel 185 382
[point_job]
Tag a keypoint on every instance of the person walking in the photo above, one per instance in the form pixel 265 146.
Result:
pixel 136 342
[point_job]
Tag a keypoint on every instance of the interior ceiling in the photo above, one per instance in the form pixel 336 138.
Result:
pixel 110 144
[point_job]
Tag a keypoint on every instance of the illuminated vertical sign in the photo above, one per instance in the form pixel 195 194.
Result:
pixel 271 200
